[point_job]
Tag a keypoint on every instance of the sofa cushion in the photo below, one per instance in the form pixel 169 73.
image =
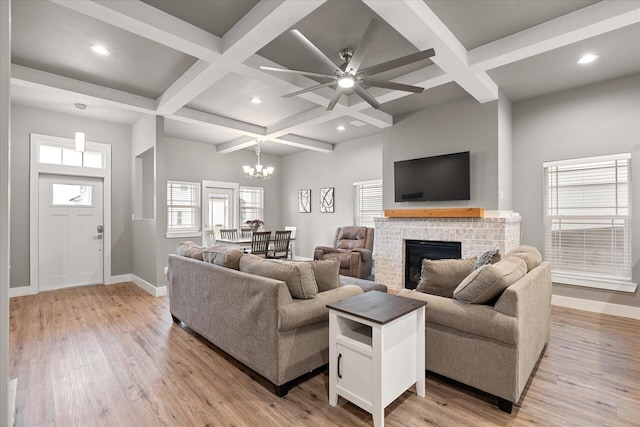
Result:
pixel 442 276
pixel 327 274
pixel 489 257
pixel 190 250
pixel 365 285
pixel 297 275
pixel 529 254
pixel 488 282
pixel 223 255
pixel 343 257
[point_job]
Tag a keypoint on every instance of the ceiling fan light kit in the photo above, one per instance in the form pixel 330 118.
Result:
pixel 349 75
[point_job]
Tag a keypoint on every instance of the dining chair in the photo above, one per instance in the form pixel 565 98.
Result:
pixel 229 234
pixel 260 242
pixel 208 238
pixel 245 233
pixel 280 247
pixel 292 241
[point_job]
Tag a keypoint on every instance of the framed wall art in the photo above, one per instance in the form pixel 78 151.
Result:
pixel 326 200
pixel 304 201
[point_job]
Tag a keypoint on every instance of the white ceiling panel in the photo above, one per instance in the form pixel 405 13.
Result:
pixel 557 70
pixel 328 131
pixel 478 22
pixel 52 38
pixel 231 97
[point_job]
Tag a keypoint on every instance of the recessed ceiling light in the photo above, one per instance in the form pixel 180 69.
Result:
pixel 585 59
pixel 341 127
pixel 100 50
pixel 256 100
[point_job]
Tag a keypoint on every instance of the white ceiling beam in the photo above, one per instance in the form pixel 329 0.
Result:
pixel 29 77
pixel 147 21
pixel 188 115
pixel 236 145
pixel 302 142
pixel 582 24
pixel 190 85
pixel 309 118
pixel 263 23
pixel 416 22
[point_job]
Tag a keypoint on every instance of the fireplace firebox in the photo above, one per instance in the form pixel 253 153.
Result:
pixel 417 250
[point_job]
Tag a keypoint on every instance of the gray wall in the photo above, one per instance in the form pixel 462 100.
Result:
pixel 505 153
pixel 143 242
pixel 593 120
pixel 194 161
pixel 460 125
pixel 349 162
pixel 25 120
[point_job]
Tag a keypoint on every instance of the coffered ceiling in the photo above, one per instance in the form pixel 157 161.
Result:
pixel 197 63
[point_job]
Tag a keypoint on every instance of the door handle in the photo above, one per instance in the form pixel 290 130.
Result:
pixel 98 237
pixel 339 357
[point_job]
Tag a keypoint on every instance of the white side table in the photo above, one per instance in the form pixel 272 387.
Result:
pixel 376 350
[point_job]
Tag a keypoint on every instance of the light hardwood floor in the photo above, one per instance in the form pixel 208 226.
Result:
pixel 112 356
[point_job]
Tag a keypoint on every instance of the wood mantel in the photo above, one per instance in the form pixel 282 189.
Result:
pixel 435 213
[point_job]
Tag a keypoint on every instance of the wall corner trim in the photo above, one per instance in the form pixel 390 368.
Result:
pixel 596 306
pixel 159 291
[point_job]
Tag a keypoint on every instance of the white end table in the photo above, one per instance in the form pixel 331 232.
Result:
pixel 376 350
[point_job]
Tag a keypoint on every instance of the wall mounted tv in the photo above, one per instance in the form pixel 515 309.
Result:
pixel 436 178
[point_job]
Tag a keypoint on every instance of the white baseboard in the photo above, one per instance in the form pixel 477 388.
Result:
pixel 119 279
pixel 159 291
pixel 13 386
pixel 596 306
pixel 22 291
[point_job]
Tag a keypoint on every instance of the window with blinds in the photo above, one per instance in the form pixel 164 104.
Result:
pixel 587 205
pixel 251 204
pixel 368 202
pixel 183 206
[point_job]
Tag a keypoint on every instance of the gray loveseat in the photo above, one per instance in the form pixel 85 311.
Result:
pixel 254 318
pixel 493 348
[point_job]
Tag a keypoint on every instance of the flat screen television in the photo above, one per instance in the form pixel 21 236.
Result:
pixel 434 178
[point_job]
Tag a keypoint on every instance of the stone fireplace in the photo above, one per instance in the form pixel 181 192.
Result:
pixel 476 235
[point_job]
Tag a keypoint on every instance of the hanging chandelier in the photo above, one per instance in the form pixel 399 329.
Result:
pixel 258 171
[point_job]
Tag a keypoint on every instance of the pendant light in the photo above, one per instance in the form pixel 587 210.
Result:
pixel 258 171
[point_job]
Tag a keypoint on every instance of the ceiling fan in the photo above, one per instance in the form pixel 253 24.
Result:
pixel 348 76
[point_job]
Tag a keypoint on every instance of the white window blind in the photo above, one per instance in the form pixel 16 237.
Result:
pixel 183 206
pixel 368 202
pixel 251 204
pixel 587 206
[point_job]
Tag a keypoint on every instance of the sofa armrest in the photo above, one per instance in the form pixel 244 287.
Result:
pixel 305 312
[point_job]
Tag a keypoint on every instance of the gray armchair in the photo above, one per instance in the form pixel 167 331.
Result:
pixel 353 246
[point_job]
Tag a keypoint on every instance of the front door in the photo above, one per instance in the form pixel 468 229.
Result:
pixel 218 209
pixel 70 234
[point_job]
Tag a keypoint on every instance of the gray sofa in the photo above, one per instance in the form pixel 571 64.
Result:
pixel 254 318
pixel 493 348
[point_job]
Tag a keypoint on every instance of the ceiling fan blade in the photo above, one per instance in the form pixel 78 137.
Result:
pixel 399 62
pixel 315 51
pixel 304 73
pixel 366 96
pixel 334 100
pixel 363 47
pixel 392 85
pixel 289 95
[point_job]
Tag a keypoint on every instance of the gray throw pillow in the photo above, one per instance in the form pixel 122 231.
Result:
pixel 489 281
pixel 529 254
pixel 297 275
pixel 489 257
pixel 327 274
pixel 190 250
pixel 223 255
pixel 441 277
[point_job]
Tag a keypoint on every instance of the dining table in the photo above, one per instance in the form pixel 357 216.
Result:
pixel 245 242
